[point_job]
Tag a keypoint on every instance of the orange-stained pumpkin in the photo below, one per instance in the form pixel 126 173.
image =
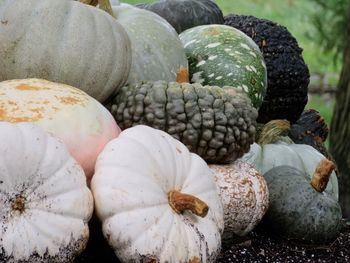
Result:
pixel 67 112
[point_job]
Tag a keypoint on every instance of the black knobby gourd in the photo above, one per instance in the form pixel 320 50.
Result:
pixel 288 76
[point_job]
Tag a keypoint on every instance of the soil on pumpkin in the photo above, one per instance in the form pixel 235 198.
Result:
pixel 257 247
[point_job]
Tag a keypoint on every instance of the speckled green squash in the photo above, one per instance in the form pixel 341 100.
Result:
pixel 221 55
pixel 297 210
pixel 219 124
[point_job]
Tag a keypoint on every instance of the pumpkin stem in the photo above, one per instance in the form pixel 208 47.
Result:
pixel 322 174
pixel 180 202
pixel 18 203
pixel 273 131
pixel 89 2
pixel 182 75
pixel 105 5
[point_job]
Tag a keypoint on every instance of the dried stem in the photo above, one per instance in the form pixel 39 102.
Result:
pixel 103 4
pixel 181 202
pixel 322 174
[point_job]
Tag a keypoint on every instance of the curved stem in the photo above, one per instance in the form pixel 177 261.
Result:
pixel 105 5
pixel 273 131
pixel 322 174
pixel 89 2
pixel 181 202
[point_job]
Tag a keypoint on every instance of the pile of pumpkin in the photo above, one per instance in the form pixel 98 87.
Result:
pixel 183 173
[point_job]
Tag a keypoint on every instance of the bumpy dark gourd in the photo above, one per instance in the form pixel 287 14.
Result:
pixel 219 124
pixel 287 74
pixel 299 209
pixel 184 14
pixel 310 129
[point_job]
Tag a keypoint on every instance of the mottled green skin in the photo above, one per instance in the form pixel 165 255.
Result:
pixel 222 55
pixel 216 123
pixel 297 210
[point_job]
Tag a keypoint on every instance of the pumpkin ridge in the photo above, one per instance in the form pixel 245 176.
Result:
pixel 166 121
pixel 195 229
pixel 302 162
pixel 63 165
pixel 48 197
pixel 170 230
pixel 145 230
pixel 136 207
pixel 48 233
pixel 92 55
pixel 126 66
pixel 173 157
pixel 65 25
pixel 66 213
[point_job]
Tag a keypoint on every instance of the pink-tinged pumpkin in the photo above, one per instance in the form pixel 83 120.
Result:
pixel 67 112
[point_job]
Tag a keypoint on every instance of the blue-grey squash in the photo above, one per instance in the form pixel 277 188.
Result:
pixel 300 209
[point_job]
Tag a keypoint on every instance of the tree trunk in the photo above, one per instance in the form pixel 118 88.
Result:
pixel 340 128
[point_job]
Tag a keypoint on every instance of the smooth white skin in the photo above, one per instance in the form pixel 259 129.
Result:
pixel 58 203
pixel 133 176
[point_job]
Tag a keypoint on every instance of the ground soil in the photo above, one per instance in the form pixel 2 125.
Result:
pixel 258 247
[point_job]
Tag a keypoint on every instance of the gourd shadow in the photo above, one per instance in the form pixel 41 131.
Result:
pixel 97 249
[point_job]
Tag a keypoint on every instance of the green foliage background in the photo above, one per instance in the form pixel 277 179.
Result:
pixel 297 15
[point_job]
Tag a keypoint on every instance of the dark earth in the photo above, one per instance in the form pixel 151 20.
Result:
pixel 257 247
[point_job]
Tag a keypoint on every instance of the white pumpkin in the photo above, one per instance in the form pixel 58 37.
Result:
pixel 245 196
pixel 157 52
pixel 66 42
pixel 152 196
pixel 68 113
pixel 45 204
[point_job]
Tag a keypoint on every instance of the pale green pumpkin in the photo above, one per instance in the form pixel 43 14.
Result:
pixel 157 52
pixel 299 209
pixel 66 42
pixel 275 149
